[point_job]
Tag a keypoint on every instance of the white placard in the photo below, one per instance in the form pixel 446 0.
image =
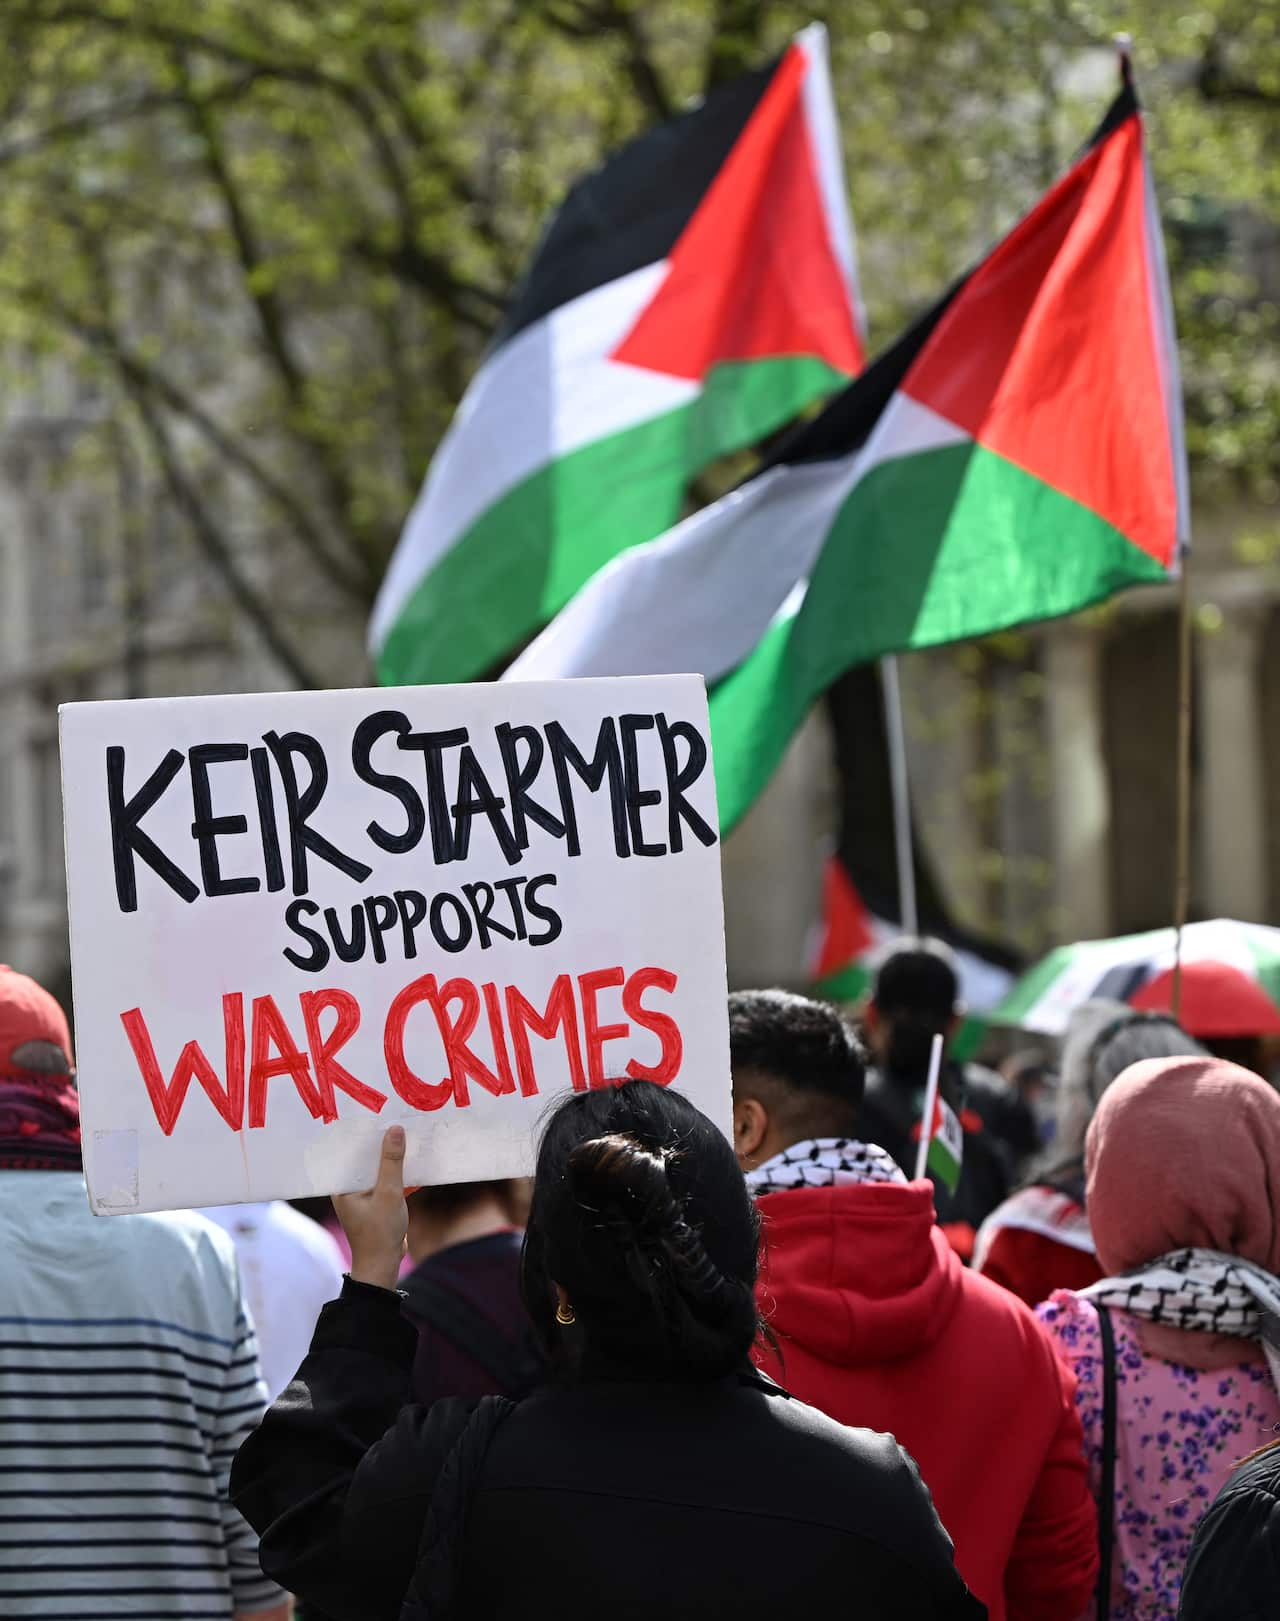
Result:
pixel 299 917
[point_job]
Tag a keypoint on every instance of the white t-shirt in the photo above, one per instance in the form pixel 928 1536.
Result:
pixel 290 1267
pixel 128 1379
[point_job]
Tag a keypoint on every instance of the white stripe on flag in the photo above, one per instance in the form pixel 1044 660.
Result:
pixel 549 391
pixel 699 598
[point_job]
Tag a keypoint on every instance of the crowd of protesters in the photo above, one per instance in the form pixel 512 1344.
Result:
pixel 677 1376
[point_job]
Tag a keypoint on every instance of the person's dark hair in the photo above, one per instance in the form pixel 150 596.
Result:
pixel 451 1199
pixel 803 1056
pixel 916 993
pixel 641 1215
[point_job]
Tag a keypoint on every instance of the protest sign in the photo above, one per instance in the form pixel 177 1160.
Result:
pixel 297 918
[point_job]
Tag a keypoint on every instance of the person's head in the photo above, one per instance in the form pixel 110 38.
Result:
pixel 915 997
pixel 642 1231
pixel 798 1072
pixel 456 1212
pixel 39 1109
pixel 1185 1152
pixel 1102 1040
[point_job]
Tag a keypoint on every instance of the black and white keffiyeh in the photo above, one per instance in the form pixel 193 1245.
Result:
pixel 1206 1291
pixel 822 1162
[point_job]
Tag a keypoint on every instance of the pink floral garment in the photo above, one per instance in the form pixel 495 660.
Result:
pixel 1180 1433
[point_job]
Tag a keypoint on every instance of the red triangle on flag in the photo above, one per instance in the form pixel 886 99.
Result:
pixel 1066 380
pixel 754 273
pixel 847 933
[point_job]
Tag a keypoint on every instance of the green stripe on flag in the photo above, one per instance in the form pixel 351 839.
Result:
pixel 527 554
pixel 930 548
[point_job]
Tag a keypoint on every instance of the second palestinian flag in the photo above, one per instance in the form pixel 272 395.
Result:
pixel 688 299
pixel 1015 456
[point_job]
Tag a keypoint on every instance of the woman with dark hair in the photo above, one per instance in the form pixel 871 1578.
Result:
pixel 655 1474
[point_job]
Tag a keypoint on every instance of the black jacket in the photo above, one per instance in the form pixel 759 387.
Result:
pixel 1233 1573
pixel 626 1500
pixel 999 1134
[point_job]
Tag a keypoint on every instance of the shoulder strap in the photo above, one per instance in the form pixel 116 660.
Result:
pixel 433 1586
pixel 1107 1489
pixel 514 1366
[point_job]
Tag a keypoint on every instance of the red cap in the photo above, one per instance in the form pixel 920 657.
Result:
pixel 1217 1000
pixel 28 1013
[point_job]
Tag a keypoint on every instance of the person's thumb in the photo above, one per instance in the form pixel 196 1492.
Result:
pixel 391 1165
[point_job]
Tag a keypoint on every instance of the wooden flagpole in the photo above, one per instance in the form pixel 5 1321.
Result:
pixel 908 913
pixel 1182 864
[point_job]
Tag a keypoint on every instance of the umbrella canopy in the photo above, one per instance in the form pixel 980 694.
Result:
pixel 1141 965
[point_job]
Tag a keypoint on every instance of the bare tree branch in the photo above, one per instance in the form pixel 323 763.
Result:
pixel 215 545
pixel 588 22
pixel 139 374
pixel 273 323
pixel 120 112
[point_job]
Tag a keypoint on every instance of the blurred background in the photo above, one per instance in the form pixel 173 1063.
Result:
pixel 250 256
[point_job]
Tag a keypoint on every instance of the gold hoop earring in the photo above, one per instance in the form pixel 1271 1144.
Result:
pixel 566 1315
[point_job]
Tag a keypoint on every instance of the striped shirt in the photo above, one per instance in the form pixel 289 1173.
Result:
pixel 128 1379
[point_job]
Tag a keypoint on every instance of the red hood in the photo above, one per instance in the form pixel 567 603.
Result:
pixel 857 1273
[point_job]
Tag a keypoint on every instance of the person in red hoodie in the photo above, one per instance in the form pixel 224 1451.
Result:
pixel 876 1321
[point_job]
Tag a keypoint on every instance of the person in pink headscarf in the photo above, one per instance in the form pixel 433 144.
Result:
pixel 1183 1167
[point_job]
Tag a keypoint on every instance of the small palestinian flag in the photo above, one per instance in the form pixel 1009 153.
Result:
pixel 1015 456
pixel 852 937
pixel 946 1145
pixel 688 298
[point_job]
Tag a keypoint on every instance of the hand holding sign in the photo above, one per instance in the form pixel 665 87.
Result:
pixel 297 918
pixel 376 1222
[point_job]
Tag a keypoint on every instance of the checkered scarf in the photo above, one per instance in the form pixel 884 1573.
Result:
pixel 822 1162
pixel 1205 1291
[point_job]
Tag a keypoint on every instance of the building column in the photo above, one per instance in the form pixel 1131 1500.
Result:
pixel 1080 800
pixel 1229 828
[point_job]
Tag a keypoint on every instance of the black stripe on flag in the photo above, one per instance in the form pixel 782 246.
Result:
pixel 631 212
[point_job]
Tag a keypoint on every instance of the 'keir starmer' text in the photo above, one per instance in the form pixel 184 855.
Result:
pixel 434 794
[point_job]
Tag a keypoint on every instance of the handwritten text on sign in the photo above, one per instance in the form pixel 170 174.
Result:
pixel 298 917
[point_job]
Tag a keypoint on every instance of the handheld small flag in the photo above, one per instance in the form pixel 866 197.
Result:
pixel 942 1145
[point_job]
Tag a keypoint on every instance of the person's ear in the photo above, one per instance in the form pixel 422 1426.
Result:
pixel 750 1128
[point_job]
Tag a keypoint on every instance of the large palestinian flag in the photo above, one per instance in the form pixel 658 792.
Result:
pixel 1016 455
pixel 689 298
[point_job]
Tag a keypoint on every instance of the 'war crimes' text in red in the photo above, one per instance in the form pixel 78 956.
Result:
pixel 500 1020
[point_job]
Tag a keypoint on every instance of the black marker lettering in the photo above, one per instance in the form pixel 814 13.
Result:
pixel 300 806
pixel 127 838
pixel 605 761
pixel 319 957
pixel 636 796
pixel 260 760
pixel 207 828
pixel 369 731
pixel 681 777
pixel 544 914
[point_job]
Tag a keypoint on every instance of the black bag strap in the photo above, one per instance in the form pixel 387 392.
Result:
pixel 1107 1489
pixel 433 1587
pixel 514 1366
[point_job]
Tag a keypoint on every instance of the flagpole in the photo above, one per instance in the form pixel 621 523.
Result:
pixel 930 1104
pixel 1182 860
pixel 908 916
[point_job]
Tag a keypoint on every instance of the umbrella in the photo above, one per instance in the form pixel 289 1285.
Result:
pixel 1138 968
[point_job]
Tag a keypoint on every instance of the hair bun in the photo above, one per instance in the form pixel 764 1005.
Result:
pixel 621 1180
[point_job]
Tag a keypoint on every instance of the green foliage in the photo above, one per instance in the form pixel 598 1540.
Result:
pixel 283 233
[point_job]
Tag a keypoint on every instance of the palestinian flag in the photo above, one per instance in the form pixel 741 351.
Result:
pixel 852 938
pixel 1015 456
pixel 945 1154
pixel 688 298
